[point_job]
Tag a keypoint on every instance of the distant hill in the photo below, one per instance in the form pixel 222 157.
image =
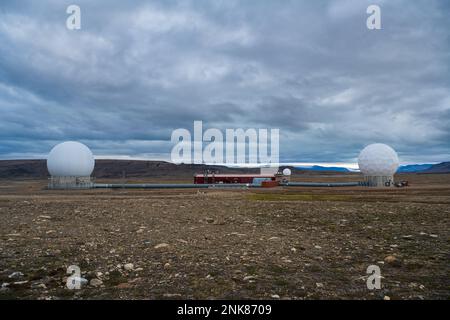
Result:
pixel 116 169
pixel 37 169
pixel 410 168
pixel 12 169
pixel 414 168
pixel 443 167
pixel 148 169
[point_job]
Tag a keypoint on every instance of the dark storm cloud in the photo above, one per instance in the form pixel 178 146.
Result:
pixel 138 70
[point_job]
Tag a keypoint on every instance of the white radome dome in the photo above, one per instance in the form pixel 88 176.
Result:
pixel 70 159
pixel 378 160
pixel 287 172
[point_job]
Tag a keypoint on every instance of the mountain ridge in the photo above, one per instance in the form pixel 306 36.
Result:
pixel 443 167
pixel 37 169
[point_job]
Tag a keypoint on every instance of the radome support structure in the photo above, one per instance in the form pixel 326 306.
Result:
pixel 378 163
pixel 70 165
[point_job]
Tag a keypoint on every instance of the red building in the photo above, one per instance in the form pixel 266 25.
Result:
pixel 228 178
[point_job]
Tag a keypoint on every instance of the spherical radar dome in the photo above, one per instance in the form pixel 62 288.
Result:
pixel 70 159
pixel 287 172
pixel 378 160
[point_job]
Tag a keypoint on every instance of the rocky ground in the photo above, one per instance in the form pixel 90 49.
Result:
pixel 262 244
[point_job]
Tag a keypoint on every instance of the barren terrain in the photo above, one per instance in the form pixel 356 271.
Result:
pixel 291 243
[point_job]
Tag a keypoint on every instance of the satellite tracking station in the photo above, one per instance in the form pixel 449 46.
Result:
pixel 71 164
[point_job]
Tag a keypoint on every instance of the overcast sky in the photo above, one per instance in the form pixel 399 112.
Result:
pixel 137 70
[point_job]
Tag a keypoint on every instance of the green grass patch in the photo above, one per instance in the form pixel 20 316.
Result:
pixel 298 197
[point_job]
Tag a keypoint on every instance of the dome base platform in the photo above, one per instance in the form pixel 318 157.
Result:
pixel 65 183
pixel 379 181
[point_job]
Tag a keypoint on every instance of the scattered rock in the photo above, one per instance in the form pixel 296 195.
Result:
pixel 433 235
pixel 161 246
pixel 249 278
pixel 275 296
pixel 96 282
pixel 38 286
pixel 387 298
pixel 167 265
pixel 318 247
pixel 128 266
pixel 16 275
pixel 319 285
pixel 392 260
